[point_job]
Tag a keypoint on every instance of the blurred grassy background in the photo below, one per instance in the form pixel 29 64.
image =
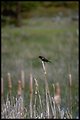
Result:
pixel 54 36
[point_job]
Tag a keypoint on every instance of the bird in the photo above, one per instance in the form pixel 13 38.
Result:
pixel 44 59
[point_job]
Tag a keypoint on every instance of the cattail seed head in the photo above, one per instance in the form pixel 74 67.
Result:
pixel 57 96
pixel 19 88
pixel 57 89
pixel 22 79
pixel 9 81
pixel 70 80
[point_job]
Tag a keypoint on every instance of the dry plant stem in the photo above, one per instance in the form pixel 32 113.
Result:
pixel 2 90
pixel 34 109
pixel 57 99
pixel 70 93
pixel 20 96
pixel 46 89
pixel 31 94
pixel 47 92
pixel 68 115
pixel 48 97
pixel 35 103
pixel 9 85
pixel 37 94
pixel 19 88
pixel 22 79
pixel 53 88
pixel 35 99
pixel 54 107
pixel 22 82
pixel 57 95
pixel 51 103
pixel 2 87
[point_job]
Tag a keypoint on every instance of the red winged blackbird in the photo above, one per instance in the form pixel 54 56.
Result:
pixel 44 59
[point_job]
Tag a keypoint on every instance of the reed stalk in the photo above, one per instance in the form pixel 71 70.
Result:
pixel 31 94
pixel 37 88
pixel 37 94
pixel 46 90
pixel 19 92
pixel 2 87
pixel 22 79
pixel 2 92
pixel 57 94
pixel 9 83
pixel 70 93
pixel 9 86
pixel 16 109
pixel 57 100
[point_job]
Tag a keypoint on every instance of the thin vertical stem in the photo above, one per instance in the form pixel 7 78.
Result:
pixel 46 89
pixel 2 87
pixel 70 93
pixel 36 83
pixel 22 82
pixel 22 79
pixel 9 85
pixel 2 90
pixel 31 94
pixel 19 88
pixel 48 97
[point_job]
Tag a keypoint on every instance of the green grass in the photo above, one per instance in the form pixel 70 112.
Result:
pixel 56 40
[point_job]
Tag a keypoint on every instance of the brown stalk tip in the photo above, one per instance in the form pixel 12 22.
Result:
pixel 9 81
pixel 57 96
pixel 57 89
pixel 19 87
pixel 70 80
pixel 22 78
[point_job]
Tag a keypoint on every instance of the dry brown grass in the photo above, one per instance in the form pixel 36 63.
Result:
pixel 15 108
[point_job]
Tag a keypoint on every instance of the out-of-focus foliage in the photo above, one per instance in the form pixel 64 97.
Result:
pixel 59 4
pixel 17 10
pixel 26 5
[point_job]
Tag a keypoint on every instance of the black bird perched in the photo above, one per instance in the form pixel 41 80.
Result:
pixel 44 59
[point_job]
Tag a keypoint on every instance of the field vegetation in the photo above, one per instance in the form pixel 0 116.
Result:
pixel 53 34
